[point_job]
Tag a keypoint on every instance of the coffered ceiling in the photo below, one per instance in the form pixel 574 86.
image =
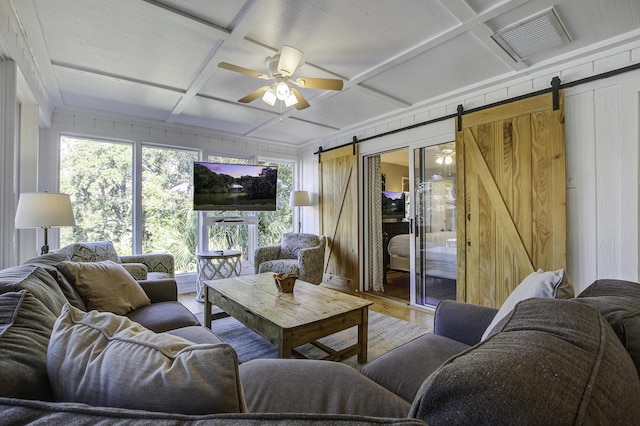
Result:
pixel 158 59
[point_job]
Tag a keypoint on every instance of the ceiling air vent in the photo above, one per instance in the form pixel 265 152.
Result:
pixel 534 35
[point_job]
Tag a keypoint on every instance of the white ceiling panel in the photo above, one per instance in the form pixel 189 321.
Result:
pixel 223 116
pixel 291 129
pixel 88 90
pixel 132 39
pixel 351 37
pixel 347 108
pixel 159 58
pixel 221 13
pixel 450 66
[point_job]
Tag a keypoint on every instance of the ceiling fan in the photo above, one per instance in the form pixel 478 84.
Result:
pixel 445 156
pixel 281 68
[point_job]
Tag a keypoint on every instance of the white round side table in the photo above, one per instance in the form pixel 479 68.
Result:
pixel 216 264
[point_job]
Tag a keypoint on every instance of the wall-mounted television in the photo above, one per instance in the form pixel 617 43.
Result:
pixel 393 205
pixel 241 187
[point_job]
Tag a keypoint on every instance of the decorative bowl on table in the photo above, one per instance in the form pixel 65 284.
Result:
pixel 285 282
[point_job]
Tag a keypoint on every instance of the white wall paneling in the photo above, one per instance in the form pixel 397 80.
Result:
pixel 28 239
pixel 8 119
pixel 602 121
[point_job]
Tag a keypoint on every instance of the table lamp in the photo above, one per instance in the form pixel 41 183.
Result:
pixel 299 199
pixel 44 210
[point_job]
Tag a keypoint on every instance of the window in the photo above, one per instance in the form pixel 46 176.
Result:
pixel 169 223
pixel 98 175
pixel 271 225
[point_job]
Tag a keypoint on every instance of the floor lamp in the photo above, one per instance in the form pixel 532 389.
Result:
pixel 44 210
pixel 299 199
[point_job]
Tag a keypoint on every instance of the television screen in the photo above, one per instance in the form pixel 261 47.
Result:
pixel 243 187
pixel 392 204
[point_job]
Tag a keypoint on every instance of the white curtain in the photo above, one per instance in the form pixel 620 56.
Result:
pixel 374 228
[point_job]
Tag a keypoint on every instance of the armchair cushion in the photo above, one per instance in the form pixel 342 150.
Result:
pixel 105 286
pixel 91 252
pixel 158 265
pixel 141 266
pixel 299 253
pixel 137 270
pixel 280 266
pixel 292 243
pixel 265 254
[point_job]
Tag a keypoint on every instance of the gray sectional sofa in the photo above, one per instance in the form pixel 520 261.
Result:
pixel 546 361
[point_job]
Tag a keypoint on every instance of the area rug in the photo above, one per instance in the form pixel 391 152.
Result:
pixel 385 333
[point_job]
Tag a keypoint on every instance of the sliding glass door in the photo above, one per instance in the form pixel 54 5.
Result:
pixel 434 210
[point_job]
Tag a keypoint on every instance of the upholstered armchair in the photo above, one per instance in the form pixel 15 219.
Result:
pixel 141 267
pixel 298 253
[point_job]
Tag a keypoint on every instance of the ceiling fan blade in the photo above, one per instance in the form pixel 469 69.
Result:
pixel 254 95
pixel 319 83
pixel 290 58
pixel 242 70
pixel 302 102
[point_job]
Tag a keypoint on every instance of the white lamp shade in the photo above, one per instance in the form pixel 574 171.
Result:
pixel 300 198
pixel 43 210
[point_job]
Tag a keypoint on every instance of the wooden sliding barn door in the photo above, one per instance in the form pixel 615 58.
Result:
pixel 511 197
pixel 339 213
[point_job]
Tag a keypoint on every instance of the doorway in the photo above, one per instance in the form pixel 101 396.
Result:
pixel 411 214
pixel 435 224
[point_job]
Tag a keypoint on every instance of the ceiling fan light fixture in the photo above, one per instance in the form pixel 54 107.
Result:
pixel 270 96
pixel 290 100
pixel 282 90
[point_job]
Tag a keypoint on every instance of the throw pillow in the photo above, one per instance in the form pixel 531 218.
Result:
pixel 49 262
pixel 96 357
pixel 36 281
pixel 105 286
pixel 550 285
pixel 25 327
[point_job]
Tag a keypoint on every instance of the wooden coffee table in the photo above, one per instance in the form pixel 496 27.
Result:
pixel 289 320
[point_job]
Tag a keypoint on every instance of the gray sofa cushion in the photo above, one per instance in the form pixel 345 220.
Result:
pixel 25 327
pixel 312 386
pixel 35 280
pixel 163 316
pixel 619 303
pixel 196 334
pixel 19 411
pixel 96 357
pixel 404 369
pixel 550 362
